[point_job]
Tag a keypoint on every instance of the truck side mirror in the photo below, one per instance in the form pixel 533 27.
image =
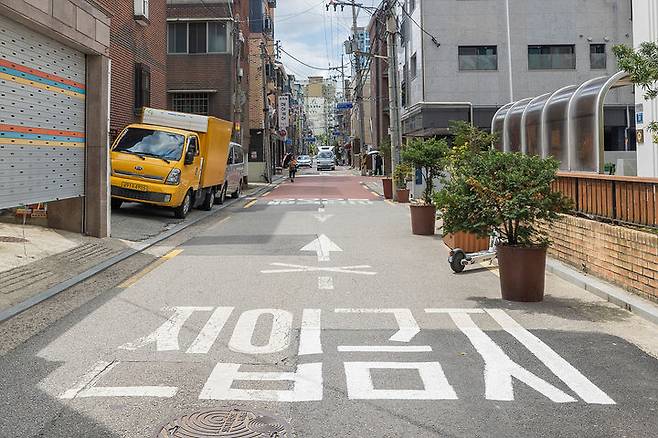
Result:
pixel 190 154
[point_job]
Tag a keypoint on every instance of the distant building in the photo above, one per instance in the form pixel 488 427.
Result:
pixel 320 104
pixel 466 72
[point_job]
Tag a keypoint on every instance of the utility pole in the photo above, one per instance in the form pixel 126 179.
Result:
pixel 267 146
pixel 393 83
pixel 359 89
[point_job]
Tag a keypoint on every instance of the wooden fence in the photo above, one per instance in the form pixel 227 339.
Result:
pixel 625 199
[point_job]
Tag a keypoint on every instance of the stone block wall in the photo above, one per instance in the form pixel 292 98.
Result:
pixel 617 254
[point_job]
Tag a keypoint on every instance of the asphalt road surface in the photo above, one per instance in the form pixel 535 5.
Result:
pixel 315 304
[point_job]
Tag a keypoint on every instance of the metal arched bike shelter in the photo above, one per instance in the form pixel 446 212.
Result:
pixel 567 124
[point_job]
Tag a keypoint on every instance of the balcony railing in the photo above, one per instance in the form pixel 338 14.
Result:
pixel 623 199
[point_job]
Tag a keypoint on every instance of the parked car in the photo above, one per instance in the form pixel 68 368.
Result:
pixel 326 160
pixel 304 161
pixel 235 171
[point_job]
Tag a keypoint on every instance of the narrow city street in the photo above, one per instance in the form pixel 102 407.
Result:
pixel 315 304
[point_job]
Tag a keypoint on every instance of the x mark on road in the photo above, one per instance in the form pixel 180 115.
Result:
pixel 288 268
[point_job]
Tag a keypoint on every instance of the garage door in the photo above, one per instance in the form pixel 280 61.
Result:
pixel 42 118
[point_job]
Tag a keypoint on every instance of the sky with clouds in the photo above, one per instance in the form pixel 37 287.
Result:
pixel 314 35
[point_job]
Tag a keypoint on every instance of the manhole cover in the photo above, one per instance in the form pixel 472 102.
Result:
pixel 10 239
pixel 227 422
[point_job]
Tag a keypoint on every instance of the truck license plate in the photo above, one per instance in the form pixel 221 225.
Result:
pixel 133 186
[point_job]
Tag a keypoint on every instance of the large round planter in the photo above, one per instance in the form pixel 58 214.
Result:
pixel 403 196
pixel 388 187
pixel 423 219
pixel 522 272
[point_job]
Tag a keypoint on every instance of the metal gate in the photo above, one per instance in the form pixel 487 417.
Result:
pixel 42 118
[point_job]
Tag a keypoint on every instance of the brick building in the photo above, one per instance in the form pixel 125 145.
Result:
pixel 261 32
pixel 138 51
pixel 208 59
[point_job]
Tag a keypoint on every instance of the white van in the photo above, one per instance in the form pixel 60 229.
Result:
pixel 234 173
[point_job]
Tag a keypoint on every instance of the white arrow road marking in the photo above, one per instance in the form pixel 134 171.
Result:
pixel 322 218
pixel 302 268
pixel 323 247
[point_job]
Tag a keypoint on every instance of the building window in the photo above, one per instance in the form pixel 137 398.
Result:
pixel 413 68
pixel 193 103
pixel 198 37
pixel 142 87
pixel 478 58
pixel 177 37
pixel 597 57
pixel 555 57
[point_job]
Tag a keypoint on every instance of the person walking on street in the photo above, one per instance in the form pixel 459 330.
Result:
pixel 379 165
pixel 292 168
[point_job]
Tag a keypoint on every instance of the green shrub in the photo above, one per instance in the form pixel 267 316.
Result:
pixel 508 192
pixel 430 156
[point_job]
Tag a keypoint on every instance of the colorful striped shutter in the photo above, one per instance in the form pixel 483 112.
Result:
pixel 42 118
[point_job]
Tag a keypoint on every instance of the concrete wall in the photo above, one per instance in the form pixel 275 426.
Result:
pixel 645 28
pixel 483 22
pixel 620 255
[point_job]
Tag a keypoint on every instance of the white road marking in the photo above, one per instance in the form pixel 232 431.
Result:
pixel 129 391
pixel 307 384
pixel 309 335
pixel 360 385
pixel 582 386
pixel 275 202
pixel 449 310
pixel 208 335
pixel 166 336
pixel 408 327
pixel 322 218
pixel 385 348
pixel 323 247
pixel 499 369
pixel 87 379
pixel 86 387
pixel 325 283
pixel 302 268
pixel 279 339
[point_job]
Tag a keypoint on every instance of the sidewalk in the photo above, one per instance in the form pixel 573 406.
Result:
pixel 35 260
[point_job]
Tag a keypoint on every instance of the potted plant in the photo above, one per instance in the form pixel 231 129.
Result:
pixel 508 193
pixel 428 155
pixel 467 140
pixel 402 174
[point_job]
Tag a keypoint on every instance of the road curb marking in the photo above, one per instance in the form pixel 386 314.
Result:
pixel 141 274
pixel 250 203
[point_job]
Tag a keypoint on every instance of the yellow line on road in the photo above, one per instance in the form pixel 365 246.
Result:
pixel 388 201
pixel 141 274
pixel 250 203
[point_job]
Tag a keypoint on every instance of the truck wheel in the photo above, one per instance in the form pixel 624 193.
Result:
pixel 116 204
pixel 237 192
pixel 183 209
pixel 220 196
pixel 208 200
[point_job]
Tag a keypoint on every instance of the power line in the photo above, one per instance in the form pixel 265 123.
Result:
pixel 308 65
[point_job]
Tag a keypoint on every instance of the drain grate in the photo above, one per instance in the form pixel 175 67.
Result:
pixel 226 422
pixel 11 239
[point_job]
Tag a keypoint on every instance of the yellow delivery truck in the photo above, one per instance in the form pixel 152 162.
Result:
pixel 172 159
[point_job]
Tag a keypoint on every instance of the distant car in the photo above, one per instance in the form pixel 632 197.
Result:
pixel 326 160
pixel 304 161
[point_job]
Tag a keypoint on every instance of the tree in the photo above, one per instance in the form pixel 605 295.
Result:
pixel 642 66
pixel 429 155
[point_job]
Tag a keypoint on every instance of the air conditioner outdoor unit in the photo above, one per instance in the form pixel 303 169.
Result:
pixel 141 12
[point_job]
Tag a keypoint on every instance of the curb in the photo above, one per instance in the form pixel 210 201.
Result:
pixel 60 287
pixel 633 303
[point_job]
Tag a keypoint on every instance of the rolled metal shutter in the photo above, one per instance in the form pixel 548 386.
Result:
pixel 42 118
